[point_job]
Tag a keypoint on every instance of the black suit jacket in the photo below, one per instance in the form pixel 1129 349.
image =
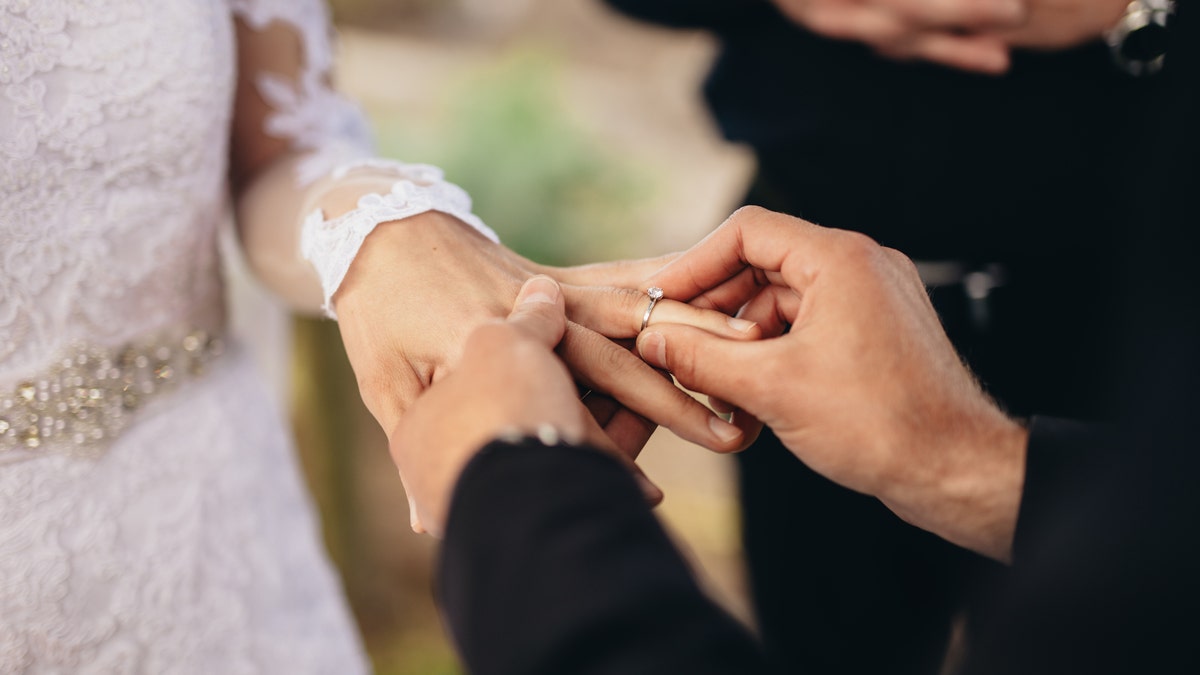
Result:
pixel 553 563
pixel 938 163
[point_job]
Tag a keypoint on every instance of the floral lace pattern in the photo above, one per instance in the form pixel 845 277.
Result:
pixel 310 114
pixel 188 546
pixel 113 143
pixel 160 559
pixel 334 134
pixel 331 245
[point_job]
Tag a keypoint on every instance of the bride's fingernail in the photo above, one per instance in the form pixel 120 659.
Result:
pixel 539 289
pixel 413 521
pixel 741 324
pixel 653 348
pixel 723 430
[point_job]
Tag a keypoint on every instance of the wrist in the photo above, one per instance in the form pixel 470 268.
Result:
pixel 396 251
pixel 972 495
pixel 333 244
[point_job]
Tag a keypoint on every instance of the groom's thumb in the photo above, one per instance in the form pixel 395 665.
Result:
pixel 539 311
pixel 701 361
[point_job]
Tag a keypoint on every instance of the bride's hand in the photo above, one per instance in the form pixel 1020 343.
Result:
pixel 419 286
pixel 508 382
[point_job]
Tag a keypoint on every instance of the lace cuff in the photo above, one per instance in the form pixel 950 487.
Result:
pixel 331 245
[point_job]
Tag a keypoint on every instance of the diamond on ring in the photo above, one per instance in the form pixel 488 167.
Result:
pixel 655 293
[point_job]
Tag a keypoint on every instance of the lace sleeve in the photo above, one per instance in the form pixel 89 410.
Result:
pixel 288 114
pixel 303 109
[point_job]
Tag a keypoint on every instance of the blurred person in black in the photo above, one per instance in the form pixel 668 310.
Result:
pixel 1001 170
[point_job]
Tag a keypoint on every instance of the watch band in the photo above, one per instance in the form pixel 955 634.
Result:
pixel 1138 42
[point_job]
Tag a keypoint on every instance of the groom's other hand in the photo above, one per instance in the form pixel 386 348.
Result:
pixel 974 35
pixel 509 382
pixel 865 387
pixel 1060 24
pixel 955 33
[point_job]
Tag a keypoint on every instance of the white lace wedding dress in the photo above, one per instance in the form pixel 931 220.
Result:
pixel 152 519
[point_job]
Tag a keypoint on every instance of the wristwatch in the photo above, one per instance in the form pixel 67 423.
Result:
pixel 1139 40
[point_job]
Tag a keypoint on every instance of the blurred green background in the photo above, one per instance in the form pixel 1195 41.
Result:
pixel 580 137
pixel 556 193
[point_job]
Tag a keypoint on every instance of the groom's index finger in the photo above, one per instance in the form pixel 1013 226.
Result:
pixel 539 311
pixel 752 236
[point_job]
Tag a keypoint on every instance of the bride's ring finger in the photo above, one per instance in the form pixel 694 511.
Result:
pixel 623 313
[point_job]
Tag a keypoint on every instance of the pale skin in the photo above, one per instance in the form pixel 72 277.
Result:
pixel 972 35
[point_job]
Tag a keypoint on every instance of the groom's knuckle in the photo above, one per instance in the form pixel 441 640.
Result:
pixel 969 13
pixel 857 250
pixel 902 261
pixel 749 212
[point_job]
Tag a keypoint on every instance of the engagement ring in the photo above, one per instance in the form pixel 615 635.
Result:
pixel 655 294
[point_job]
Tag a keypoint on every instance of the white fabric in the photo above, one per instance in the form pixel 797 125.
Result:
pixel 331 245
pixel 308 113
pixel 332 131
pixel 189 545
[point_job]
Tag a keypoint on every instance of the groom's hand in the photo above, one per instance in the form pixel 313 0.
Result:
pixel 865 387
pixel 954 33
pixel 509 381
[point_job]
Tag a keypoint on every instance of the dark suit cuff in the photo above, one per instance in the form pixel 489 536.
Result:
pixel 516 579
pixel 525 476
pixel 1060 459
pixel 553 563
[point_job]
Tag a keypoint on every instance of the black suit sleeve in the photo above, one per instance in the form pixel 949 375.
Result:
pixel 1063 456
pixel 553 563
pixel 692 13
pixel 1108 583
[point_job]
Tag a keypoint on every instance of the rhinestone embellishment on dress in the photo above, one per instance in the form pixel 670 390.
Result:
pixel 93 393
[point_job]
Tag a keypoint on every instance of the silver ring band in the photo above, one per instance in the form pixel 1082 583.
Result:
pixel 655 294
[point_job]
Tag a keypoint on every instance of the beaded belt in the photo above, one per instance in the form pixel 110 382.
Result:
pixel 92 393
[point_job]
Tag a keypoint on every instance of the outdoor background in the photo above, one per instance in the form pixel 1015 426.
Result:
pixel 582 137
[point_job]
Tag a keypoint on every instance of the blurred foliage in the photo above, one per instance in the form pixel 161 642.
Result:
pixel 326 407
pixel 548 187
pixel 417 653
